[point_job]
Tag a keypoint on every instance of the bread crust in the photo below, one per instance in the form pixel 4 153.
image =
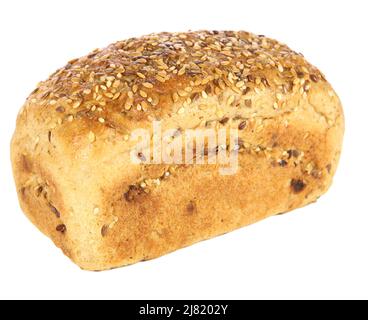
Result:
pixel 71 148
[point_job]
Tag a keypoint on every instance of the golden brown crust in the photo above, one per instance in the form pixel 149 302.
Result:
pixel 70 151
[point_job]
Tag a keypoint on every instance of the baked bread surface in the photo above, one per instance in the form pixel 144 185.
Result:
pixel 71 149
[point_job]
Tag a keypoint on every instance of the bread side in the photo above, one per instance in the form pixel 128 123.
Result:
pixel 71 148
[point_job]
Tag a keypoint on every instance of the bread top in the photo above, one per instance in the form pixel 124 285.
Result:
pixel 142 78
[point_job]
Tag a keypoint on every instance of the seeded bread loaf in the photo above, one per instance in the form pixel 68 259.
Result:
pixel 71 149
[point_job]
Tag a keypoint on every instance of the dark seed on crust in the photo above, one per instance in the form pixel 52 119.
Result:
pixel 247 90
pixel 293 153
pixel 141 157
pixel 104 230
pixel 314 78
pixel 132 193
pixel 55 211
pixel 61 228
pixel 251 78
pixel 191 207
pixel 297 185
pixel 224 121
pixel 242 125
pixel 283 163
pixel 39 191
pixel 194 96
pixel 60 109
pixel 248 103
pixel 329 167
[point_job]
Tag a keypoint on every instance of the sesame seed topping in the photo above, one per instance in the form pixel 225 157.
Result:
pixel 143 94
pixel 182 93
pixel 160 79
pixel 76 104
pixel 204 94
pixel 175 97
pixel 181 71
pixel 240 84
pixel 91 137
pixel 147 85
pixel 279 96
pixel 128 105
pixel 230 100
pixel 138 74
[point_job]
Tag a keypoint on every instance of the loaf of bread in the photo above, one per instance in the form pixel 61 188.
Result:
pixel 72 149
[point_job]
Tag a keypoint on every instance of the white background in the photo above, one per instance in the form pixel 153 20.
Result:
pixel 316 252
